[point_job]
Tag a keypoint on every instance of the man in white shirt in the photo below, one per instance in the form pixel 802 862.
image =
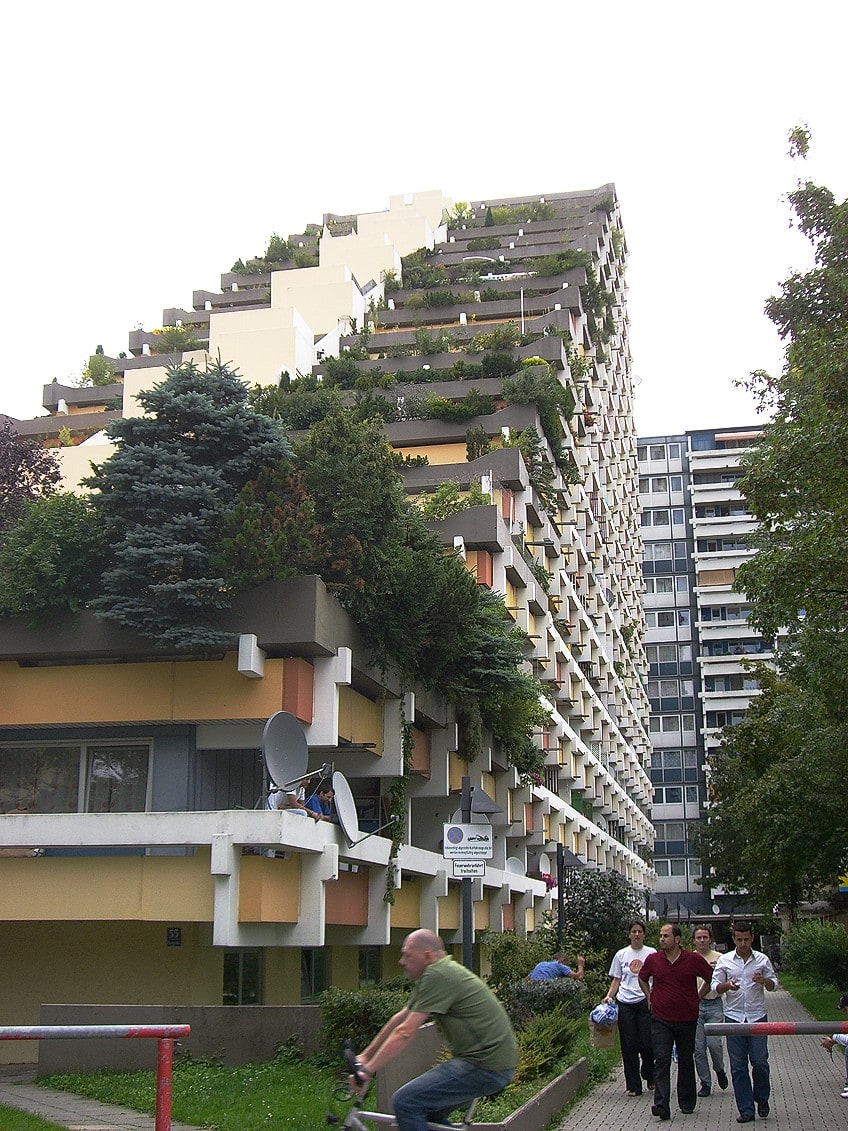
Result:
pixel 745 975
pixel 634 1020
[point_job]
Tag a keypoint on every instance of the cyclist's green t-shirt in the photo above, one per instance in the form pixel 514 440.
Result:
pixel 472 1020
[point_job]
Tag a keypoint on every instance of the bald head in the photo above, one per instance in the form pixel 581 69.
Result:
pixel 420 950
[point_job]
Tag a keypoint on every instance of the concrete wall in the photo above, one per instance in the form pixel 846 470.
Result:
pixel 231 1034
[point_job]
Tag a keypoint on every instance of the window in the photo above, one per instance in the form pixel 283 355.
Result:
pixel 659 618
pixel 658 552
pixel 369 965
pixel 657 451
pixel 242 977
pixel 681 583
pixel 677 516
pixel 641 455
pixel 659 484
pixel 684 617
pixel 674 451
pixel 71 778
pixel 314 973
pixel 691 794
pixel 676 482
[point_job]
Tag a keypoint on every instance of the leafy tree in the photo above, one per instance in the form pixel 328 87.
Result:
pixel 99 370
pixel 52 558
pixel 162 496
pixel 175 339
pixel 27 472
pixel 448 499
pixel 599 907
pixel 787 759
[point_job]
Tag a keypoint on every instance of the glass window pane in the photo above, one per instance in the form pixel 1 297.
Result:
pixel 117 779
pixel 39 779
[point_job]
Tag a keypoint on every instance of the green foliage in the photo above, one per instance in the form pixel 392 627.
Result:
pixel 779 750
pixel 355 1015
pixel 162 496
pixel 474 403
pixel 296 404
pixel 511 957
pixel 52 558
pixel 484 243
pixel 342 370
pixel 278 253
pixel 799 141
pixel 528 213
pixel 27 473
pixel 13 1120
pixel 448 499
pixel 497 363
pixel 818 953
pixel 417 271
pixel 505 337
pixel 477 443
pixel 545 1042
pixel 539 468
pixel 175 339
pixel 99 370
pixel 562 261
pixel 599 908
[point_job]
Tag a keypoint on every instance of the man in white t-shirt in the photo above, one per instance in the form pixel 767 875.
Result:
pixel 634 1019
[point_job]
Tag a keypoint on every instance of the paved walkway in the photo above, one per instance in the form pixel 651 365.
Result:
pixel 67 1110
pixel 805 1095
pixel 805 1087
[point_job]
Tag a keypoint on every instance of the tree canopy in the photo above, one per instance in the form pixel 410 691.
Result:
pixel 787 760
pixel 162 497
pixel 27 472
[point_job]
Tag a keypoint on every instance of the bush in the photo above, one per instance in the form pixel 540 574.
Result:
pixel 545 1042
pixel 356 1015
pixel 526 1000
pixel 818 952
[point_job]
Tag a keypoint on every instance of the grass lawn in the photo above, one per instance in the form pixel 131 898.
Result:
pixel 278 1094
pixel 819 1000
pixel 13 1120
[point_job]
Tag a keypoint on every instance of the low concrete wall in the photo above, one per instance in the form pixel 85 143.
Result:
pixel 231 1034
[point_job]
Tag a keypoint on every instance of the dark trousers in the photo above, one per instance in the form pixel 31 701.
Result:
pixel 665 1035
pixel 634 1030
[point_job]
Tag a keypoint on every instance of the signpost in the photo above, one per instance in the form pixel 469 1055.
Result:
pixel 469 846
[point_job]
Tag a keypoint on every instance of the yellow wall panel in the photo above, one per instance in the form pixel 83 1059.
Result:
pixel 360 718
pixel 406 909
pixel 269 889
pixel 450 907
pixel 122 693
pixel 98 888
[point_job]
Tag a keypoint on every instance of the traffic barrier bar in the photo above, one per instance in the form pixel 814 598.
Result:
pixel 164 1034
pixel 773 1028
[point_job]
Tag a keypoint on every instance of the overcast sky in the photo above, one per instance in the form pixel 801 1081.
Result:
pixel 149 146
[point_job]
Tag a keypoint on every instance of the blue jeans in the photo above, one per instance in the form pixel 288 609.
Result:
pixel 711 1012
pixel 741 1050
pixel 432 1097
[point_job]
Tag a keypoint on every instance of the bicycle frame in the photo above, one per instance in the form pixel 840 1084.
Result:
pixel 360 1120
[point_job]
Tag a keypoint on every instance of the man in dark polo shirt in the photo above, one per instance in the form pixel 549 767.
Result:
pixel 669 980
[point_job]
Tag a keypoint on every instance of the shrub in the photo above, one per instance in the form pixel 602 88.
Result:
pixel 357 1015
pixel 545 1042
pixel 818 952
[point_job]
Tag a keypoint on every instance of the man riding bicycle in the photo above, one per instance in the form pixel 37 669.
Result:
pixel 473 1022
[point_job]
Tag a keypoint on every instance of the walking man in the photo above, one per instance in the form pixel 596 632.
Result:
pixel 473 1022
pixel 744 974
pixel 669 980
pixel 634 1022
pixel 710 1012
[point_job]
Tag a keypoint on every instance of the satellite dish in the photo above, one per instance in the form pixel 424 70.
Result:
pixel 513 864
pixel 544 863
pixel 284 749
pixel 346 808
pixel 716 909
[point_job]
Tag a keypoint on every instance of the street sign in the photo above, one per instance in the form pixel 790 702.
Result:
pixel 468 842
pixel 469 868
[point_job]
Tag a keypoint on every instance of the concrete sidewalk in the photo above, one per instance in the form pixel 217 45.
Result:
pixel 67 1110
pixel 805 1087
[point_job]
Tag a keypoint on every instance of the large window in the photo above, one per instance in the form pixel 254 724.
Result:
pixel 242 977
pixel 72 778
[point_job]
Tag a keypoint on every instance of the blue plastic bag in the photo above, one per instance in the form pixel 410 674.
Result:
pixel 604 1014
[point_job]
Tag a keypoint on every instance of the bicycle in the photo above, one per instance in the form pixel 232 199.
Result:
pixel 356 1114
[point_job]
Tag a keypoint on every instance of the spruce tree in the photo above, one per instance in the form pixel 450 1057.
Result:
pixel 162 494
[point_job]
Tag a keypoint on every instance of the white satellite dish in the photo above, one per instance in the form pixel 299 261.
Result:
pixel 346 808
pixel 514 865
pixel 545 863
pixel 284 749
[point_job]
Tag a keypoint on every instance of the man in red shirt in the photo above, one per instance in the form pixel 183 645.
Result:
pixel 669 980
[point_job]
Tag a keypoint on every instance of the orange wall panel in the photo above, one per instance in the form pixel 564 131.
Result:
pixel 346 902
pixel 269 890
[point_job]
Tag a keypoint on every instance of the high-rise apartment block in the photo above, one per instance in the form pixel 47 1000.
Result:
pixel 456 315
pixel 694 527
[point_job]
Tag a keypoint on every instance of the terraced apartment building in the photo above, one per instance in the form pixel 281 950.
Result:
pixel 451 314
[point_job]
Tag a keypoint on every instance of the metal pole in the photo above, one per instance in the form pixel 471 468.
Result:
pixel 164 1077
pixel 774 1028
pixel 467 894
pixel 560 896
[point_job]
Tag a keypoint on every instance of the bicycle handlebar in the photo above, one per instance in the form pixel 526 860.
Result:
pixel 353 1064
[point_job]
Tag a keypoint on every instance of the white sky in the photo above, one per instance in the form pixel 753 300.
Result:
pixel 148 146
